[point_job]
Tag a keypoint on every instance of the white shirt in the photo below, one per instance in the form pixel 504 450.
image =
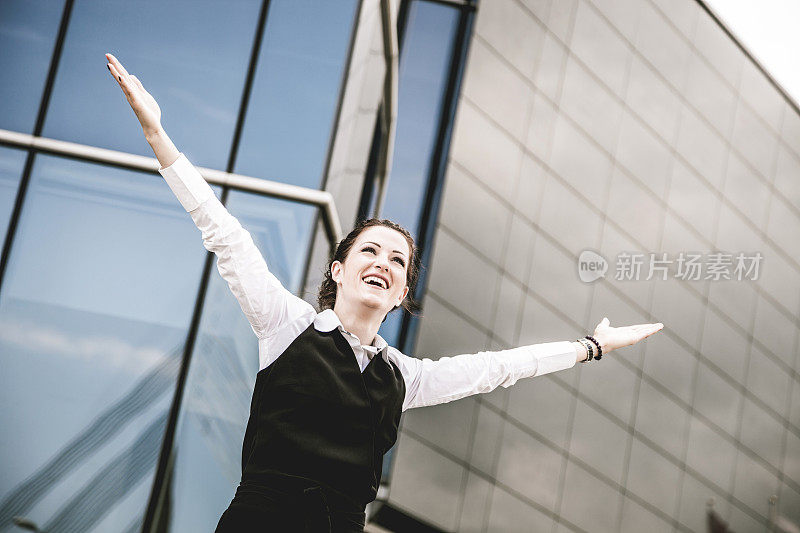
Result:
pixel 277 316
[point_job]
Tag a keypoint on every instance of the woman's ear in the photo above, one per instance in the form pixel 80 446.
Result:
pixel 403 296
pixel 336 271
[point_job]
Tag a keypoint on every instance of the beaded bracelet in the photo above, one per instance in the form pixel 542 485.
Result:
pixel 589 350
pixel 599 349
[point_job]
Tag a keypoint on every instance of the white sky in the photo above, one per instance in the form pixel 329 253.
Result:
pixel 769 30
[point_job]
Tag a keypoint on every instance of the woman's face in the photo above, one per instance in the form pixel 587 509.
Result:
pixel 374 273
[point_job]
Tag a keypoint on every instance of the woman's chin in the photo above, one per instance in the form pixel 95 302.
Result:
pixel 373 301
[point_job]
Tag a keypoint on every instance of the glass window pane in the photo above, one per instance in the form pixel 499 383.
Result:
pixel 94 312
pixel 390 329
pixel 28 30
pixel 191 55
pixel 11 164
pixel 219 385
pixel 424 67
pixel 296 90
pixel 425 59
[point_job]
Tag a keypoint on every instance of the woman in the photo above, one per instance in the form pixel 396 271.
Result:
pixel 329 392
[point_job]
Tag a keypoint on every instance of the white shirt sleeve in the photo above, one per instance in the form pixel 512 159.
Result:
pixel 431 382
pixel 264 301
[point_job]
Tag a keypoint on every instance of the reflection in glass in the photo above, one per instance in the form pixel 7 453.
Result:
pixel 94 313
pixel 424 65
pixel 191 55
pixel 219 386
pixel 11 164
pixel 295 91
pixel 28 30
pixel 390 329
pixel 425 58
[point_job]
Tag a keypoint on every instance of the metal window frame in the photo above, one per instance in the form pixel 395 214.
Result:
pixel 388 107
pixel 321 199
pixel 344 78
pixel 438 162
pixel 376 179
pixel 47 90
pixel 429 214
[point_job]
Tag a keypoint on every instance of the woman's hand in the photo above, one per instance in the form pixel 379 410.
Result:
pixel 613 338
pixel 147 111
pixel 142 103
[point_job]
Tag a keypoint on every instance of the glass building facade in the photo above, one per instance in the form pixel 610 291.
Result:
pixel 127 364
pixel 528 131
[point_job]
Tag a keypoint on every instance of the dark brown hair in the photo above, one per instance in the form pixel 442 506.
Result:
pixel 327 290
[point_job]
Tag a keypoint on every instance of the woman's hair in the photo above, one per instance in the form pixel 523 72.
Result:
pixel 327 290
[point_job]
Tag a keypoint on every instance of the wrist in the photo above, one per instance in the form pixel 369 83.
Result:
pixel 162 146
pixel 603 344
pixel 581 353
pixel 154 135
pixel 600 349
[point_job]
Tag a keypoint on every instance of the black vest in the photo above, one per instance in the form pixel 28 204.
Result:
pixel 314 414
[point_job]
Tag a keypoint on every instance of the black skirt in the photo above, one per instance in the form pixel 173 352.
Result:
pixel 290 505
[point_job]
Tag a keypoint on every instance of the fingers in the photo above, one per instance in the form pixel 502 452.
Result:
pixel 637 332
pixel 121 75
pixel 647 327
pixel 112 67
pixel 137 82
pixel 618 337
pixel 115 62
pixel 645 330
pixel 116 74
pixel 127 82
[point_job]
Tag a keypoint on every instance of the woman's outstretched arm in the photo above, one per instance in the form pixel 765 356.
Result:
pixel 431 382
pixel 265 302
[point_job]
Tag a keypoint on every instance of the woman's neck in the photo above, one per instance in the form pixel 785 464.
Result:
pixel 363 322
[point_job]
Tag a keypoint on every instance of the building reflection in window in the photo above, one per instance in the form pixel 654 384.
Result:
pixel 216 403
pixel 28 30
pixel 425 59
pixel 192 55
pixel 296 89
pixel 11 164
pixel 94 313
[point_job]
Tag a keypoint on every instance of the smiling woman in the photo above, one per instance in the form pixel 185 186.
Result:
pixel 329 392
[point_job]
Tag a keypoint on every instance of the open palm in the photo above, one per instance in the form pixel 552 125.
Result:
pixel 611 338
pixel 141 101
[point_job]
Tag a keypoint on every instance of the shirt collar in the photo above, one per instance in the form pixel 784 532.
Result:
pixel 328 320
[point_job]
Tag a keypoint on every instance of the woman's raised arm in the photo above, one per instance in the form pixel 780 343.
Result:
pixel 265 302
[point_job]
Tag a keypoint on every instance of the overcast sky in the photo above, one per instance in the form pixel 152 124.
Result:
pixel 768 29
